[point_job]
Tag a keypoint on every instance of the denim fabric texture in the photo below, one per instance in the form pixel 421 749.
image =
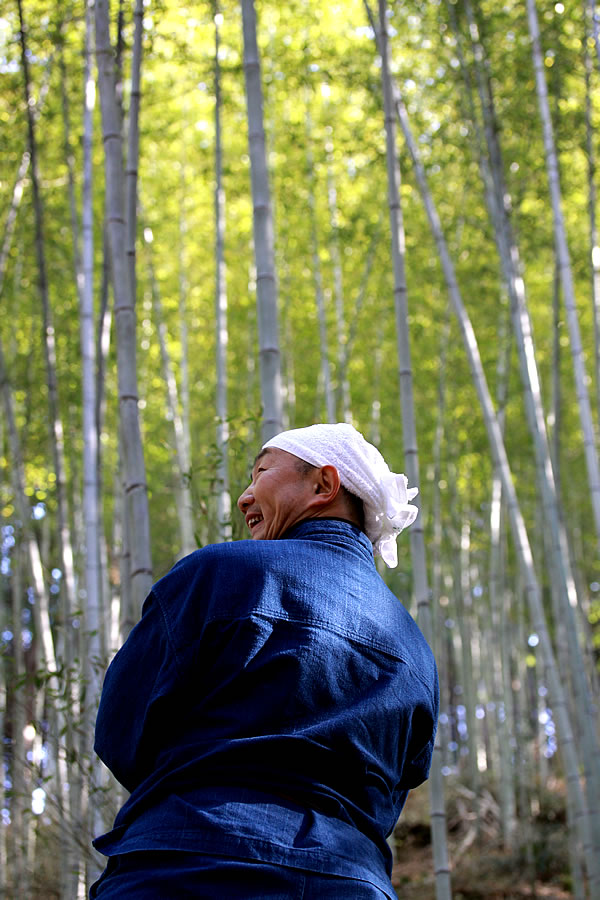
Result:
pixel 275 703
pixel 191 876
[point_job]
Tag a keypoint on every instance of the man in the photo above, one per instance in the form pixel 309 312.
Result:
pixel 275 703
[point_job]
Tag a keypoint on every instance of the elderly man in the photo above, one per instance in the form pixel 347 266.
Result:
pixel 276 702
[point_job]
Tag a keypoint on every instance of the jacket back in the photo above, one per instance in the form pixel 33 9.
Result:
pixel 275 701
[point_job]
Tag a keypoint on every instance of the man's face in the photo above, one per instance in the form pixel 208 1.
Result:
pixel 278 495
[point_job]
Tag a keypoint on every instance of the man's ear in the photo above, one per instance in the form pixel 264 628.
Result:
pixel 327 484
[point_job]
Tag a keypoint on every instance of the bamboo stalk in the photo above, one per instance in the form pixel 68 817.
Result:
pixel 518 528
pixel 343 385
pixel 566 274
pixel 560 558
pixel 19 870
pixel 133 144
pixel 266 282
pixel 222 335
pixel 136 493
pixel 498 607
pixel 317 271
pixel 182 464
pixel 417 540
pixel 358 303
pixel 592 195
pixel 56 434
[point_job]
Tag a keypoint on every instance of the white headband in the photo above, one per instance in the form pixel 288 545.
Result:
pixel 364 472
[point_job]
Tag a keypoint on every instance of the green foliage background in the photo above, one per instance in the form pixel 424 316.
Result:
pixel 324 125
pixel 319 57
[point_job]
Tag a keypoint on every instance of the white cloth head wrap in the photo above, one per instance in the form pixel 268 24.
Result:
pixel 364 472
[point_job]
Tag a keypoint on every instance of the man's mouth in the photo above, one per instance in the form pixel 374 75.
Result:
pixel 251 521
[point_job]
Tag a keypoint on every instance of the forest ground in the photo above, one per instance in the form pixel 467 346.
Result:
pixel 481 868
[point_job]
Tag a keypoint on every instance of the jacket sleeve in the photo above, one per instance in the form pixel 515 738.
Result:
pixel 424 727
pixel 138 679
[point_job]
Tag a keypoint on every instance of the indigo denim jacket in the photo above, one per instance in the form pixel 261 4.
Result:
pixel 275 702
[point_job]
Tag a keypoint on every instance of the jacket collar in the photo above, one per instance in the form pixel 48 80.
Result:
pixel 332 531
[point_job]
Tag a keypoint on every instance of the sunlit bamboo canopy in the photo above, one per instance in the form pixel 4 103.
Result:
pixel 497 193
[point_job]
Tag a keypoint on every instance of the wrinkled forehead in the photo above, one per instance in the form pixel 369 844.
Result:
pixel 270 452
pixel 282 457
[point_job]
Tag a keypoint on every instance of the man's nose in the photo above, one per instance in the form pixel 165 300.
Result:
pixel 245 499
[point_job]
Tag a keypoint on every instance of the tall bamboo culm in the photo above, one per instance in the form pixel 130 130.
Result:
pixel 559 557
pixel 565 734
pixel 266 281
pixel 343 385
pixel 311 181
pixel 589 18
pixel 56 435
pixel 181 460
pixel 87 644
pixel 417 539
pixel 222 468
pixel 564 267
pixel 133 144
pixel 136 492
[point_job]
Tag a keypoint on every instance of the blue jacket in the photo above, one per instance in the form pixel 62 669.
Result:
pixel 275 702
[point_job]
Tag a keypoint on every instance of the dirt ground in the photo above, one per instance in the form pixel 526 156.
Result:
pixel 481 869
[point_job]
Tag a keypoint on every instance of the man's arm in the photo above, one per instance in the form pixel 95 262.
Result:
pixel 139 675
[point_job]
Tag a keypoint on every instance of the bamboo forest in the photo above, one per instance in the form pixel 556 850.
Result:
pixel 220 220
